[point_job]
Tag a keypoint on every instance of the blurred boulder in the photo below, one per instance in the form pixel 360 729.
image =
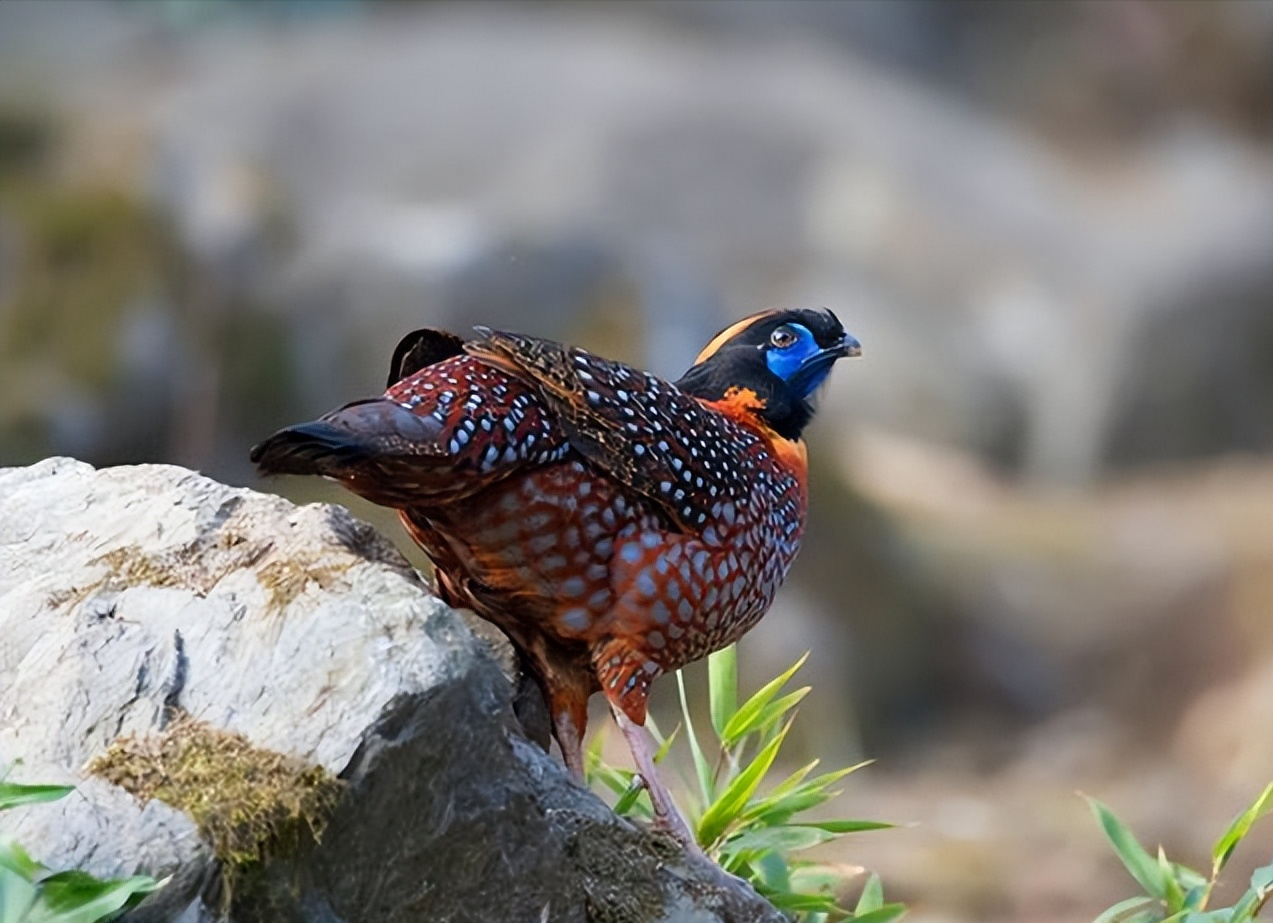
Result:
pixel 655 163
pixel 263 702
pixel 1059 598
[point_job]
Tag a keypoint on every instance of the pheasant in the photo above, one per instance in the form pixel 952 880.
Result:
pixel 615 525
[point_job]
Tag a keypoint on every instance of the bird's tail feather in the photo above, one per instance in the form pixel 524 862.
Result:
pixel 376 447
pixel 311 448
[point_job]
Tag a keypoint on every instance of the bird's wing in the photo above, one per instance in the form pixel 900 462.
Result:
pixel 642 430
pixel 420 349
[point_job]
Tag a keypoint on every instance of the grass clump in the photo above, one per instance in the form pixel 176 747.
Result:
pixel 750 823
pixel 1175 893
pixel 249 803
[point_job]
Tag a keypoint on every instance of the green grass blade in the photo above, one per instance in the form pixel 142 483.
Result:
pixel 13 795
pixel 15 859
pixel 17 894
pixel 654 729
pixel 773 872
pixel 744 720
pixel 1240 826
pixel 76 897
pixel 701 767
pixel 847 826
pixel 872 896
pixel 886 914
pixel 1195 897
pixel 1138 862
pixel 1174 894
pixel 794 779
pixel 1250 904
pixel 665 745
pixel 617 780
pixel 776 807
pixel 592 760
pixel 1124 909
pixel 796 902
pixel 722 684
pixel 774 712
pixel 1262 879
pixel 815 877
pixel 730 806
pixel 628 801
pixel 781 840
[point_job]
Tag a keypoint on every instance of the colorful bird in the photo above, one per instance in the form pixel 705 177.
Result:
pixel 615 525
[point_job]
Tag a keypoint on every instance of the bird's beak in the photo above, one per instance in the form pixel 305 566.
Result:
pixel 813 371
pixel 848 347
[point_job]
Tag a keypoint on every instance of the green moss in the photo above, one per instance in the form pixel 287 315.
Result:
pixel 249 803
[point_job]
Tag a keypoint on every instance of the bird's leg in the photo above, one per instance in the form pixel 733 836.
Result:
pixel 567 695
pixel 570 739
pixel 666 815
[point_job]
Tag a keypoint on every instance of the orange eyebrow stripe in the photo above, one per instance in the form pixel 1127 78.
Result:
pixel 727 334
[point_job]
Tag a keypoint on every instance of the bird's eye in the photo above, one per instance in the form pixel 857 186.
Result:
pixel 783 337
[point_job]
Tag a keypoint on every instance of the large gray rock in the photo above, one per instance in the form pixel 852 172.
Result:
pixel 147 613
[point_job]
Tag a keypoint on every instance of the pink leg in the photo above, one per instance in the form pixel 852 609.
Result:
pixel 666 815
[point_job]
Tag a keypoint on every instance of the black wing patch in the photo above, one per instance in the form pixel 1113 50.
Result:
pixel 419 349
pixel 643 430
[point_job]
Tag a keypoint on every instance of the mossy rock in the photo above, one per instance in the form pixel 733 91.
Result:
pixel 249 803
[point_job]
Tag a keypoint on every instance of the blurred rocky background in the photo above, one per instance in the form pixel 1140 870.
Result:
pixel 1040 556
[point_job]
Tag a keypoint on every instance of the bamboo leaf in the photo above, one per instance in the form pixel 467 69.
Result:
pixel 1240 826
pixel 665 746
pixel 1173 893
pixel 777 808
pixel 17 894
pixel 1124 909
pixel 847 826
pixel 1138 862
pixel 76 897
pixel 822 877
pixel 13 795
pixel 772 713
pixel 744 720
pixel 733 800
pixel 872 896
pixel 701 767
pixel 777 839
pixel 722 683
pixel 628 801
pixel 16 859
pixel 886 914
pixel 797 902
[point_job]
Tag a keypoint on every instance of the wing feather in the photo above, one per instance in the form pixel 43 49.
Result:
pixel 642 430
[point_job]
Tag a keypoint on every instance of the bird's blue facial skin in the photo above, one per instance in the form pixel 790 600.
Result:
pixel 786 360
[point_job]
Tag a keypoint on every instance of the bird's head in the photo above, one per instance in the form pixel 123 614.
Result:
pixel 772 364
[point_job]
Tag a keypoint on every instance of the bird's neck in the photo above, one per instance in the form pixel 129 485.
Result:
pixel 742 405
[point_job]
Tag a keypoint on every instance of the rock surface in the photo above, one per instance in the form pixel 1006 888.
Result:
pixel 136 601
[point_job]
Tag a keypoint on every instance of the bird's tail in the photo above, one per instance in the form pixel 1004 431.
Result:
pixel 374 447
pixel 310 448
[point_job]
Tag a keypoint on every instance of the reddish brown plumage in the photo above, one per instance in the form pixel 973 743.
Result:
pixel 614 525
